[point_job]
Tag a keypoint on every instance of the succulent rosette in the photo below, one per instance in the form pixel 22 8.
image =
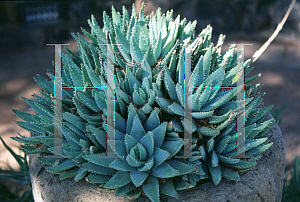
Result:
pixel 148 54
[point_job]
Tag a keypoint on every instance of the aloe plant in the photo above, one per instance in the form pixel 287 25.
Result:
pixel 21 177
pixel 149 108
pixel 291 190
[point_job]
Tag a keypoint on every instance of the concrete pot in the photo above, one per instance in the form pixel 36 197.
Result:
pixel 262 183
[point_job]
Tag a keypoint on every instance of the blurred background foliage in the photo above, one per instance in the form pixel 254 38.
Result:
pixel 225 16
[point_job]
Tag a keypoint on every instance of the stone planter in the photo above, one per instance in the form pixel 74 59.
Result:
pixel 262 183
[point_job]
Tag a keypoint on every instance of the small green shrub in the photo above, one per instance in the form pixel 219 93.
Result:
pixel 291 187
pixel 20 177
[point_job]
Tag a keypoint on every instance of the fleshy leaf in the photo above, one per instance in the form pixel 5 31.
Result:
pixel 181 167
pixel 210 145
pixel 119 179
pixel 214 159
pixel 129 143
pixel 258 150
pixel 244 164
pixel 159 156
pixel 168 189
pixel 94 168
pixel 169 84
pixel 164 171
pixel 138 177
pixel 135 51
pixel 148 165
pixel 81 174
pixel 137 131
pixel 133 162
pixel 215 173
pixel 208 131
pixel 97 178
pixel 121 165
pixel 172 147
pixel 176 108
pixel 152 122
pixel 220 145
pixel 159 134
pixel 151 189
pixel 63 166
pixel 148 142
pixel 231 175
pixel 97 159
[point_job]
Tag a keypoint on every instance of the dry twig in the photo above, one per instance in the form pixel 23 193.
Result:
pixel 258 53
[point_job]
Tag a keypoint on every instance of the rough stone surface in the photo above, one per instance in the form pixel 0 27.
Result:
pixel 262 183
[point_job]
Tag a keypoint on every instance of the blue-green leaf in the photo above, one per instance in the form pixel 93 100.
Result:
pixel 159 134
pixel 221 144
pixel 202 151
pixel 214 159
pixel 151 189
pixel 70 173
pixel 119 179
pixel 31 127
pixel 163 103
pixel 164 171
pixel 97 178
pixel 133 162
pixel 249 144
pixel 138 177
pixel 129 142
pixel 99 159
pixel 208 131
pixel 88 102
pixel 39 120
pixel 215 173
pixel 94 168
pixel 149 56
pixel 159 156
pixel 176 108
pixel 63 166
pixel 39 108
pixel 169 84
pixel 100 99
pixel 180 184
pixel 217 101
pixel 258 150
pixel 136 53
pixel 231 175
pixel 120 148
pixel 181 167
pixel 121 165
pixel 180 68
pixel 157 47
pixel 148 165
pixel 210 145
pixel 125 189
pixel 202 114
pixel 168 189
pixel 80 175
pixel 148 142
pixel 219 119
pixel 100 135
pixel 172 147
pixel 50 161
pixel 244 164
pixel 137 131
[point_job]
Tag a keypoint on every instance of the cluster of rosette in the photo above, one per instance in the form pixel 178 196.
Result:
pixel 149 116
